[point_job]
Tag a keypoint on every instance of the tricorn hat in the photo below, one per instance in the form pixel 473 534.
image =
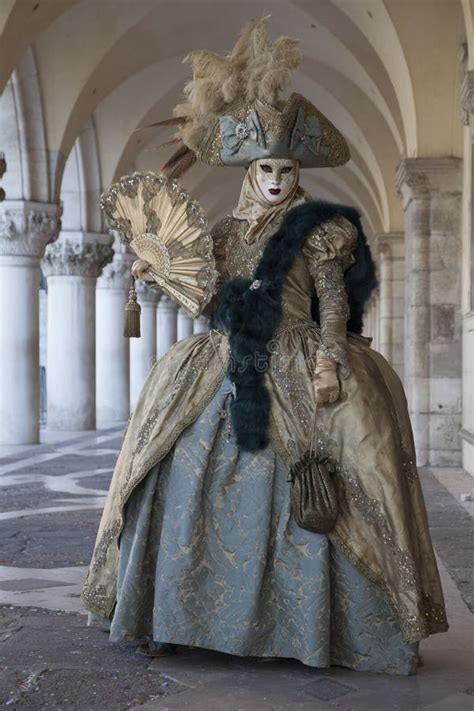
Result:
pixel 247 132
pixel 233 114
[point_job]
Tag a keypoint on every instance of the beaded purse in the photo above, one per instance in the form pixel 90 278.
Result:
pixel 314 503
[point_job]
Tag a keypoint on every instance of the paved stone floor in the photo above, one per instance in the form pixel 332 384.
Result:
pixel 50 501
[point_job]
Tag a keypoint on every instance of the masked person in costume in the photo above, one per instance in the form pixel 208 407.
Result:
pixel 199 544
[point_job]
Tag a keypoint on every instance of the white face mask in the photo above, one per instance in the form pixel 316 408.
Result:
pixel 276 177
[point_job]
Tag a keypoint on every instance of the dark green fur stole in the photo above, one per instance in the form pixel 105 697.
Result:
pixel 251 316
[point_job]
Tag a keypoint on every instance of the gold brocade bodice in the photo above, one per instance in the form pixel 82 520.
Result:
pixel 317 268
pixel 235 257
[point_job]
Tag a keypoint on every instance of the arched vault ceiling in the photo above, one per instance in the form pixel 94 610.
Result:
pixel 385 72
pixel 146 31
pixel 418 43
pixel 146 97
pixel 21 21
pixel 373 21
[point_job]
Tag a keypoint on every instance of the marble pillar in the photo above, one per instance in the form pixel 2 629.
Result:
pixel 430 190
pixel 392 292
pixel 368 329
pixel 377 319
pixel 166 325
pixel 467 431
pixel 72 265
pixel 185 325
pixel 371 328
pixel 371 319
pixel 143 349
pixel 112 348
pixel 25 230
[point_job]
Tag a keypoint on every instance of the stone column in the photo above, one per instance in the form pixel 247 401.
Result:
pixel 385 279
pixel 368 319
pixel 201 324
pixel 72 265
pixel 112 348
pixel 25 230
pixel 143 349
pixel 430 189
pixel 392 287
pixel 467 431
pixel 398 303
pixel 371 324
pixel 166 325
pixel 185 325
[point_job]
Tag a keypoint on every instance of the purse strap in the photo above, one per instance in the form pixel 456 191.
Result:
pixel 313 435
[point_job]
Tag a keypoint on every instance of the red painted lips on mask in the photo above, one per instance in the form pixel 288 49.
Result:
pixel 274 191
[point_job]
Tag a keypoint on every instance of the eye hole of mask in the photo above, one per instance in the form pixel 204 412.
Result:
pixel 287 169
pixel 266 168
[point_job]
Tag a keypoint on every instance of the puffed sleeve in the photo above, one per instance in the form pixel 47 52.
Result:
pixel 219 234
pixel 328 251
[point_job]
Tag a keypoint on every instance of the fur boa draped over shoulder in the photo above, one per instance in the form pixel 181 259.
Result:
pixel 250 310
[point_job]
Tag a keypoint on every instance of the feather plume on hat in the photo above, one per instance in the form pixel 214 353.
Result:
pixel 256 68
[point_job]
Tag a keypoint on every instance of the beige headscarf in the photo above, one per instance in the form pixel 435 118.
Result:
pixel 255 208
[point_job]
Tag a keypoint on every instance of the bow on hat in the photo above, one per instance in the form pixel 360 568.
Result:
pixel 235 132
pixel 307 130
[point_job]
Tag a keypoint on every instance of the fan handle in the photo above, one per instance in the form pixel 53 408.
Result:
pixel 189 305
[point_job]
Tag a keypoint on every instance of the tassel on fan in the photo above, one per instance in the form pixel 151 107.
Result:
pixel 131 328
pixel 157 218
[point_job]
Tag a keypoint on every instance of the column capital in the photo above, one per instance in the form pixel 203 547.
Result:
pixel 147 293
pixel 26 227
pixel 467 98
pixel 390 244
pixel 78 254
pixel 117 274
pixel 418 177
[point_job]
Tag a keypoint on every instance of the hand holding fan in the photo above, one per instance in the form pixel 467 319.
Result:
pixel 157 218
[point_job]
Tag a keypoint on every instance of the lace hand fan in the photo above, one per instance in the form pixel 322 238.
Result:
pixel 156 217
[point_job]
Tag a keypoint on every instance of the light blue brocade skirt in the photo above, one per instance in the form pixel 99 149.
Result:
pixel 210 556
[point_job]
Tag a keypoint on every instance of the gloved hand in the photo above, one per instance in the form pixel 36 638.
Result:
pixel 139 268
pixel 325 381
